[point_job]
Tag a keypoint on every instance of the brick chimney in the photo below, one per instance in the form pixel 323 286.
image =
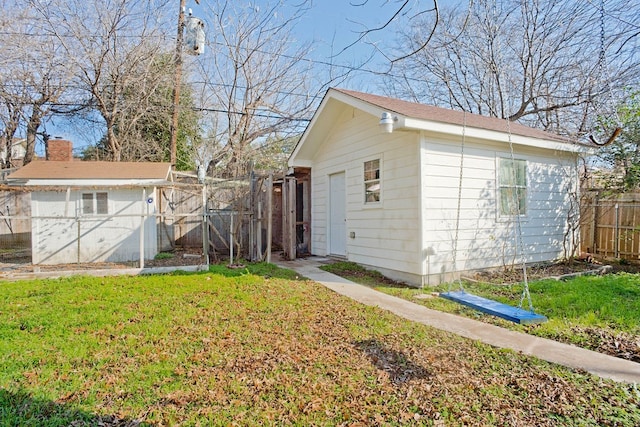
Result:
pixel 59 150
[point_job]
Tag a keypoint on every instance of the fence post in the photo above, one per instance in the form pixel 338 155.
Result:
pixel 269 215
pixel 231 240
pixel 596 224
pixel 79 234
pixel 205 225
pixel 617 231
pixel 144 203
pixel 252 216
pixel 258 223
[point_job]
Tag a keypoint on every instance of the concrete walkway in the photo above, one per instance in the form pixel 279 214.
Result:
pixel 552 351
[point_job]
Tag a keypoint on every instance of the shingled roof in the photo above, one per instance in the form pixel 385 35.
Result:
pixel 56 170
pixel 427 112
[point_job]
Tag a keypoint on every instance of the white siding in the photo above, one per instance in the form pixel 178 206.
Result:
pixel 411 233
pixel 387 235
pixel 56 227
pixel 484 238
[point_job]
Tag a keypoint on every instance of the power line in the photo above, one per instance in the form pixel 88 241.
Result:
pixel 344 67
pixel 349 68
pixel 166 108
pixel 241 113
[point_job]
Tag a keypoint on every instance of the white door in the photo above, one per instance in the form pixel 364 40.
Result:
pixel 337 215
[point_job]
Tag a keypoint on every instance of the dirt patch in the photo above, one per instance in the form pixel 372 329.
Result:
pixel 180 257
pixel 20 262
pixel 509 275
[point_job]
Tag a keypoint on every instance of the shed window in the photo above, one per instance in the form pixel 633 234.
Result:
pixel 95 204
pixel 372 181
pixel 512 187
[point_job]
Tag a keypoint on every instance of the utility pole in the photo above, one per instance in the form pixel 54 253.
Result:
pixel 177 80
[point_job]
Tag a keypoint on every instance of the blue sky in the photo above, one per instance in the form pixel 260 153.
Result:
pixel 335 26
pixel 343 21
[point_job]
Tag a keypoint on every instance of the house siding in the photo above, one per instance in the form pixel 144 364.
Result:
pixel 411 234
pixel 484 238
pixel 111 238
pixel 386 234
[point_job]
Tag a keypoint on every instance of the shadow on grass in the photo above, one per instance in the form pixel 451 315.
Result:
pixel 396 364
pixel 21 409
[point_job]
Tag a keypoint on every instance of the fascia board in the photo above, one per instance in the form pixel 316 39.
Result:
pixel 476 133
pixel 300 163
pixel 95 182
pixel 308 137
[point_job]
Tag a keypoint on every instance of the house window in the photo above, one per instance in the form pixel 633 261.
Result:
pixel 95 204
pixel 512 187
pixel 372 181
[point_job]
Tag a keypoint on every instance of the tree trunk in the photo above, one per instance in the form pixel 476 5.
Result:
pixel 10 129
pixel 35 120
pixel 112 142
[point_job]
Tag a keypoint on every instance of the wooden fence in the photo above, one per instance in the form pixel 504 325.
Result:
pixel 610 225
pixel 15 230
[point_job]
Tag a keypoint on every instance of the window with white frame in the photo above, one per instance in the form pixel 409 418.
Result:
pixel 372 184
pixel 95 203
pixel 512 187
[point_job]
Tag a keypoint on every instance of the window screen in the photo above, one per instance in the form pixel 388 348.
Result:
pixel 512 187
pixel 95 203
pixel 87 204
pixel 372 185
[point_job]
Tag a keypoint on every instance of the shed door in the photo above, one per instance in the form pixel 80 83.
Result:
pixel 337 215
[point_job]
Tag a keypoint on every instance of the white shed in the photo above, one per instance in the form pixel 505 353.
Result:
pixel 92 211
pixel 395 200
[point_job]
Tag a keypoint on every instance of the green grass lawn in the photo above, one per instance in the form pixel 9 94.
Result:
pixel 596 312
pixel 260 346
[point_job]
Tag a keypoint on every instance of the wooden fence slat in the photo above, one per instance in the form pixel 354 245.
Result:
pixel 610 225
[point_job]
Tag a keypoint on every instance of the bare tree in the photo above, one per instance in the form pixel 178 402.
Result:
pixel 11 95
pixel 10 117
pixel 402 13
pixel 115 49
pixel 550 63
pixel 47 82
pixel 257 84
pixel 34 75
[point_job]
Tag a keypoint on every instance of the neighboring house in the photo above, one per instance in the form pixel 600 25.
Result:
pixel 18 151
pixel 389 199
pixel 92 211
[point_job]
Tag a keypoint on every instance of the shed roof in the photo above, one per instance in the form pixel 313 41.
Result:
pixel 92 170
pixel 412 116
pixel 444 115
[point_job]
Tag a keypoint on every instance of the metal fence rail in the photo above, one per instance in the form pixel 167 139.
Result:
pixel 230 218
